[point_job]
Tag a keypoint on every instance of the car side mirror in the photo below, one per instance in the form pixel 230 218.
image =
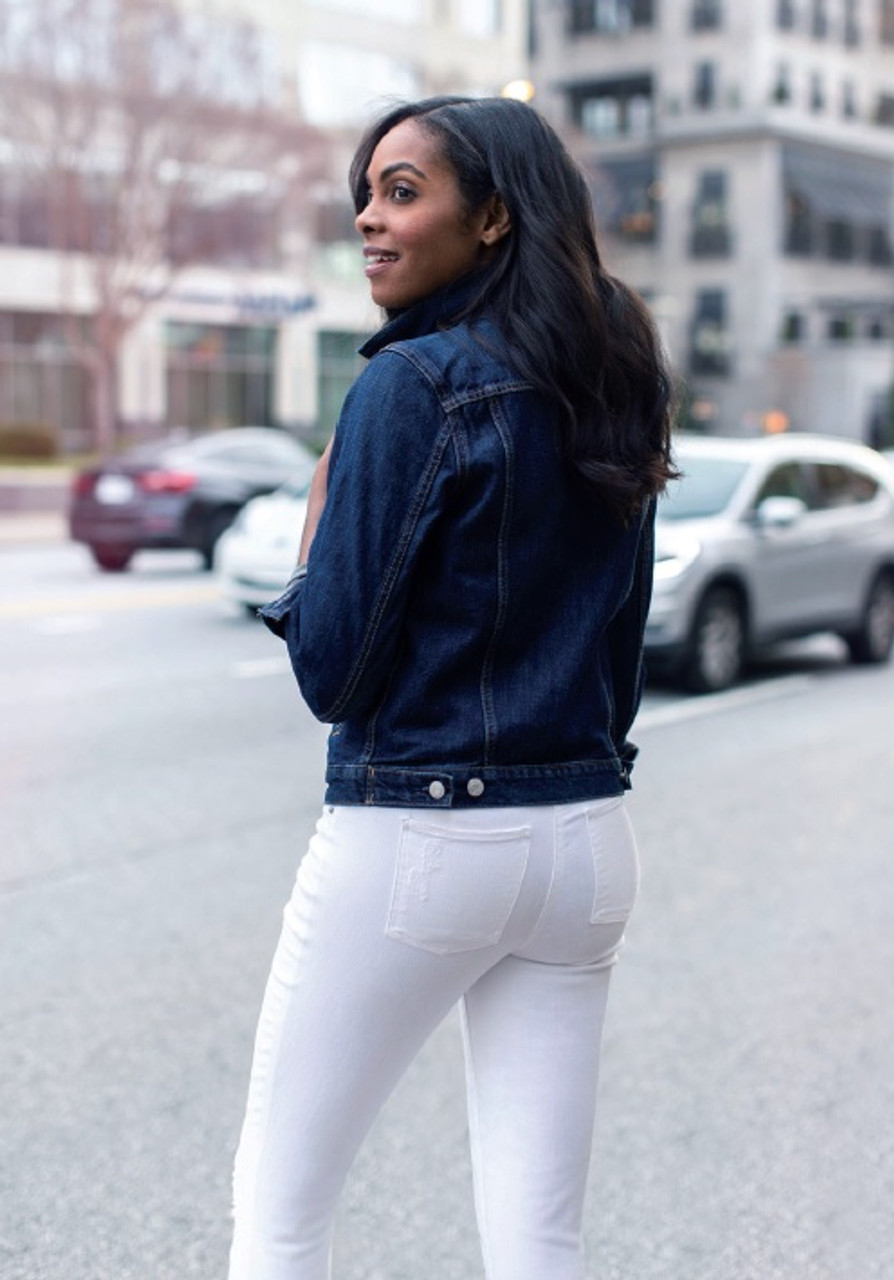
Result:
pixel 780 512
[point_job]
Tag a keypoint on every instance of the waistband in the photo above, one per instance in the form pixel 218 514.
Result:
pixel 456 787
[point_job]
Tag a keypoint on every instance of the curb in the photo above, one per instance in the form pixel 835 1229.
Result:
pixel 32 529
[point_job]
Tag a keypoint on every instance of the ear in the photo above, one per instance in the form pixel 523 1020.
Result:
pixel 497 222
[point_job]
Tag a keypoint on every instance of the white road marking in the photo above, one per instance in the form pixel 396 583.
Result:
pixel 710 704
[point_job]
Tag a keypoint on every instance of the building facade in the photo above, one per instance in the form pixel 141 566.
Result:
pixel 742 167
pixel 236 338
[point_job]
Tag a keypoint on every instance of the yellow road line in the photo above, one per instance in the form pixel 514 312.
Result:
pixel 149 599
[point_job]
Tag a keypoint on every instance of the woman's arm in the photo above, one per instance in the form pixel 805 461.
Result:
pixel 316 501
pixel 373 502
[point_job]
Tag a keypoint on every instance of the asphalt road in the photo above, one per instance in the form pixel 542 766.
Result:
pixel 159 779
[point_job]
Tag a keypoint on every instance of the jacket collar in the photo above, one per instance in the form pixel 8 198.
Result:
pixel 438 311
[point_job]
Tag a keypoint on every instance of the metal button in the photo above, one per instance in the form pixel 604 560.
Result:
pixel 475 787
pixel 437 790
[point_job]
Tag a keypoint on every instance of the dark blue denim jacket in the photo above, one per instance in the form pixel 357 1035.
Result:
pixel 470 622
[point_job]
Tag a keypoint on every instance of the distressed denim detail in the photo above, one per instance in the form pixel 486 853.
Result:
pixel 454 890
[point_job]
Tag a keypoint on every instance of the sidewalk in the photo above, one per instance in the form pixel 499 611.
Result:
pixel 24 529
pixel 33 505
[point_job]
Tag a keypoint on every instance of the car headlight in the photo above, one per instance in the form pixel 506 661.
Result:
pixel 674 556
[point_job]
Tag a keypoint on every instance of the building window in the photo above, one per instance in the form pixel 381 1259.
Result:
pixel 219 375
pixel 817 92
pixel 848 100
pixel 837 205
pixel 798 225
pixel 785 15
pixel 707 15
pixel 608 17
pixel 710 349
pixel 886 21
pixel 613 108
pixel 840 328
pixel 782 89
pixel 627 198
pixel 338 364
pixel 878 246
pixel 876 329
pixel 42 381
pixel 601 117
pixel 840 242
pixel 704 92
pixel 794 327
pixel 884 109
pixel 851 24
pixel 819 20
pixel 25 216
pixel 710 236
pixel 481 19
pixel 337 82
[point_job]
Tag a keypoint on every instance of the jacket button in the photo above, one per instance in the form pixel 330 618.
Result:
pixel 475 787
pixel 437 790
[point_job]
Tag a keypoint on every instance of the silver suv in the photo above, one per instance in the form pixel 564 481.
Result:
pixel 769 538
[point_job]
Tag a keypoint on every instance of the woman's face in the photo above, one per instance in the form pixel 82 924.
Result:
pixel 417 233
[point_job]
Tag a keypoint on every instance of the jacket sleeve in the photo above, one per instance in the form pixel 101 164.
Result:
pixel 625 638
pixel 391 470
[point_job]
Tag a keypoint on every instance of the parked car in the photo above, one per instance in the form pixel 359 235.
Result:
pixel 769 538
pixel 179 492
pixel 255 557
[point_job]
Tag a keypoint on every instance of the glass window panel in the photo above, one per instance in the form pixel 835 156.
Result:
pixel 338 84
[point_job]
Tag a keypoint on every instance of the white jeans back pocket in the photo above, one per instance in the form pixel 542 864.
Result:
pixel 454 890
pixel 615 862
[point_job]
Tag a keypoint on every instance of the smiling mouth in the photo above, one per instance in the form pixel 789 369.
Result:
pixel 375 256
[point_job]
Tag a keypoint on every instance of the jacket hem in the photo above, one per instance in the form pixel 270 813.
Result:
pixel 448 787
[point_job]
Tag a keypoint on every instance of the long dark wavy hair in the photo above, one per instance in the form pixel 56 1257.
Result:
pixel 577 334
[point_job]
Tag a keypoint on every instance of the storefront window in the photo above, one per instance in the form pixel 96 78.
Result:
pixel 338 364
pixel 42 382
pixel 220 375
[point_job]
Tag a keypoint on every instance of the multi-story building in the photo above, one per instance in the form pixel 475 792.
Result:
pixel 742 163
pixel 234 337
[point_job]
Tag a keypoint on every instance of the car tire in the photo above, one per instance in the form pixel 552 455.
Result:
pixel 873 640
pixel 112 559
pixel 218 523
pixel 716 650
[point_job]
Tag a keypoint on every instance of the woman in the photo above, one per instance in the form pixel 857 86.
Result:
pixel 468 615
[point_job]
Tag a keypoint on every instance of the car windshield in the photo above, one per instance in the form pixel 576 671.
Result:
pixel 705 489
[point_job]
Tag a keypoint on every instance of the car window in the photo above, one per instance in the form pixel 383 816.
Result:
pixel 705 488
pixel 788 480
pixel 841 486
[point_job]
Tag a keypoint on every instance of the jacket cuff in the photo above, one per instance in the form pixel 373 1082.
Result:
pixel 275 614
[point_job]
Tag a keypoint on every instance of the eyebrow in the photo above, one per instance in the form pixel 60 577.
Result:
pixel 391 169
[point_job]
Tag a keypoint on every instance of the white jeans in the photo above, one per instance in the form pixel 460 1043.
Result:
pixel 396 915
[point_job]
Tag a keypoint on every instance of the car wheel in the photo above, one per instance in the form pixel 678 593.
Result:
pixel 217 524
pixel 873 639
pixel 716 643
pixel 112 559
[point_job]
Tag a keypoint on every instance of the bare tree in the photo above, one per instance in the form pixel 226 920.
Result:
pixel 156 137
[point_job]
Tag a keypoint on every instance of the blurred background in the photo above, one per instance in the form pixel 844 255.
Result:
pixel 181 300
pixel 177 244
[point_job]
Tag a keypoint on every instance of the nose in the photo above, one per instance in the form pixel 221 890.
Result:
pixel 369 218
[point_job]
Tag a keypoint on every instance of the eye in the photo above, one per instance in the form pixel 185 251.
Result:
pixel 402 193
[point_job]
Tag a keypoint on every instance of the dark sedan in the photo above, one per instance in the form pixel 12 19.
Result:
pixel 179 492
